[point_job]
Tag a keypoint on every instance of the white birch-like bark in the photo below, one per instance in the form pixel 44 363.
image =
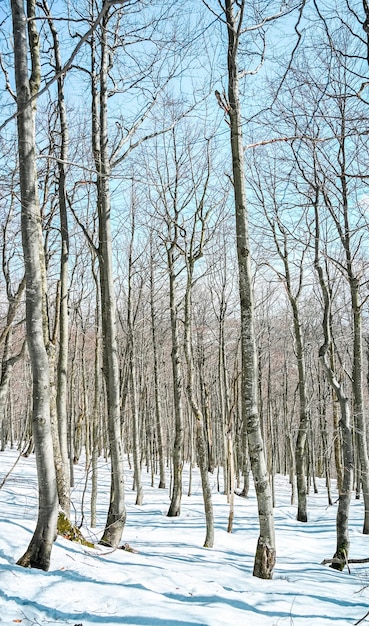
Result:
pixel 175 503
pixel 132 373
pixel 62 363
pixel 341 554
pixel 39 550
pixel 202 457
pixel 117 511
pixel 266 550
pixel 159 426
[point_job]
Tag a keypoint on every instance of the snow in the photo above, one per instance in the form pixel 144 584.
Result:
pixel 170 579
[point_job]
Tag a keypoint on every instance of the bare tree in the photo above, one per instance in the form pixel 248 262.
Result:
pixel 26 42
pixel 233 17
pixel 194 250
pixel 132 309
pixel 117 511
pixel 341 554
pixel 158 407
pixel 292 242
pixel 62 363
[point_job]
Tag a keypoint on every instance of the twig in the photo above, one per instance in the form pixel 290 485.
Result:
pixel 10 471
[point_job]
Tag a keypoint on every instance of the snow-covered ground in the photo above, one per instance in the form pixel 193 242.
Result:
pixel 171 579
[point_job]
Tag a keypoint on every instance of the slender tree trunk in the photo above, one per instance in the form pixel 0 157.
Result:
pixel 225 412
pixel 7 365
pixel 207 416
pixel 230 463
pixel 245 462
pixel 7 361
pixel 340 556
pixel 202 457
pixel 132 374
pixel 322 398
pixel 300 456
pixel 266 550
pixel 62 364
pixel 281 243
pixel 342 529
pixel 61 478
pixel 158 418
pixel 4 384
pixel 84 403
pixel 175 504
pixel 356 305
pixel 270 413
pixel 357 383
pixel 117 511
pixel 345 233
pixel 96 405
pixel 38 552
pixel 336 426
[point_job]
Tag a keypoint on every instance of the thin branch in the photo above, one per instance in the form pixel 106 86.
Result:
pixel 271 18
pixel 67 66
pixel 157 133
pixel 299 37
pixel 266 142
pixel 7 81
pixel 258 67
pixel 15 301
pixel 83 227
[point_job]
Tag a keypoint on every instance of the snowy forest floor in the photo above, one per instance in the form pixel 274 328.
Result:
pixel 171 579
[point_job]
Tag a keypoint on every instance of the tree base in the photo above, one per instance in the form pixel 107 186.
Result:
pixel 265 558
pixel 72 533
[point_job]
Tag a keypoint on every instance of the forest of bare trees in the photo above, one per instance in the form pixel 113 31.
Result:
pixel 184 233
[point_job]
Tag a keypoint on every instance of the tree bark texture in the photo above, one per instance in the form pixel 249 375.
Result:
pixel 158 417
pixel 293 297
pixel 357 384
pixel 131 348
pixel 266 551
pixel 300 455
pixel 38 552
pixel 201 448
pixel 175 503
pixel 117 511
pixel 62 364
pixel 342 529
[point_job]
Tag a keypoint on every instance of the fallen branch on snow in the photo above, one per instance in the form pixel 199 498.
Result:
pixel 353 561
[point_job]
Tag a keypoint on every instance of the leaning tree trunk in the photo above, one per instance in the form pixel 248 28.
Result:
pixel 38 552
pixel 266 550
